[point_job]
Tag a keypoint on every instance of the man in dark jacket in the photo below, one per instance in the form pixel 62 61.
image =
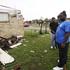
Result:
pixel 53 27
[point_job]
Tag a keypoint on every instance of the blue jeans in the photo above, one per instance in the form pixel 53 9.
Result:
pixel 52 39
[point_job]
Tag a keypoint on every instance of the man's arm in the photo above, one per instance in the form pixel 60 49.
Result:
pixel 67 34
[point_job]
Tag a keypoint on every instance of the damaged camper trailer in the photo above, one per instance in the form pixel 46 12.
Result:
pixel 11 26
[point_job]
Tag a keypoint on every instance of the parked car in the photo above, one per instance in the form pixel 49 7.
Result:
pixel 26 24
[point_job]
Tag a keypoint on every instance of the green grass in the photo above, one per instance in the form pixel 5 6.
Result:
pixel 37 60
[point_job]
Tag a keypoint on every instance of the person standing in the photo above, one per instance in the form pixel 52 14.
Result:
pixel 53 26
pixel 62 36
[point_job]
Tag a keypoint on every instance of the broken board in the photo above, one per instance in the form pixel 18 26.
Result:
pixel 15 45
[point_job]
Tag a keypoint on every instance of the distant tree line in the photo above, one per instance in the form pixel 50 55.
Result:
pixel 40 22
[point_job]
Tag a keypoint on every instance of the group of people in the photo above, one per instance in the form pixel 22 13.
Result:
pixel 60 32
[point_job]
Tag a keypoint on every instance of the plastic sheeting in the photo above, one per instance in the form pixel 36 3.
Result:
pixel 5 57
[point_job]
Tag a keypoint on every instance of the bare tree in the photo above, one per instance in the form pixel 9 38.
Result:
pixel 40 22
pixel 46 24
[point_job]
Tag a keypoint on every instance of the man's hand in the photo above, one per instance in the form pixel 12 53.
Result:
pixel 62 45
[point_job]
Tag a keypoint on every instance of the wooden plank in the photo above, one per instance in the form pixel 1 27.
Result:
pixel 13 46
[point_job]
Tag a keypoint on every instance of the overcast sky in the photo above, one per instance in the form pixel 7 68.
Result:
pixel 32 9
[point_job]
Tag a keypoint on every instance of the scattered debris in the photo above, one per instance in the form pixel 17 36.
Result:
pixel 11 42
pixel 45 51
pixel 24 44
pixel 32 51
pixel 20 36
